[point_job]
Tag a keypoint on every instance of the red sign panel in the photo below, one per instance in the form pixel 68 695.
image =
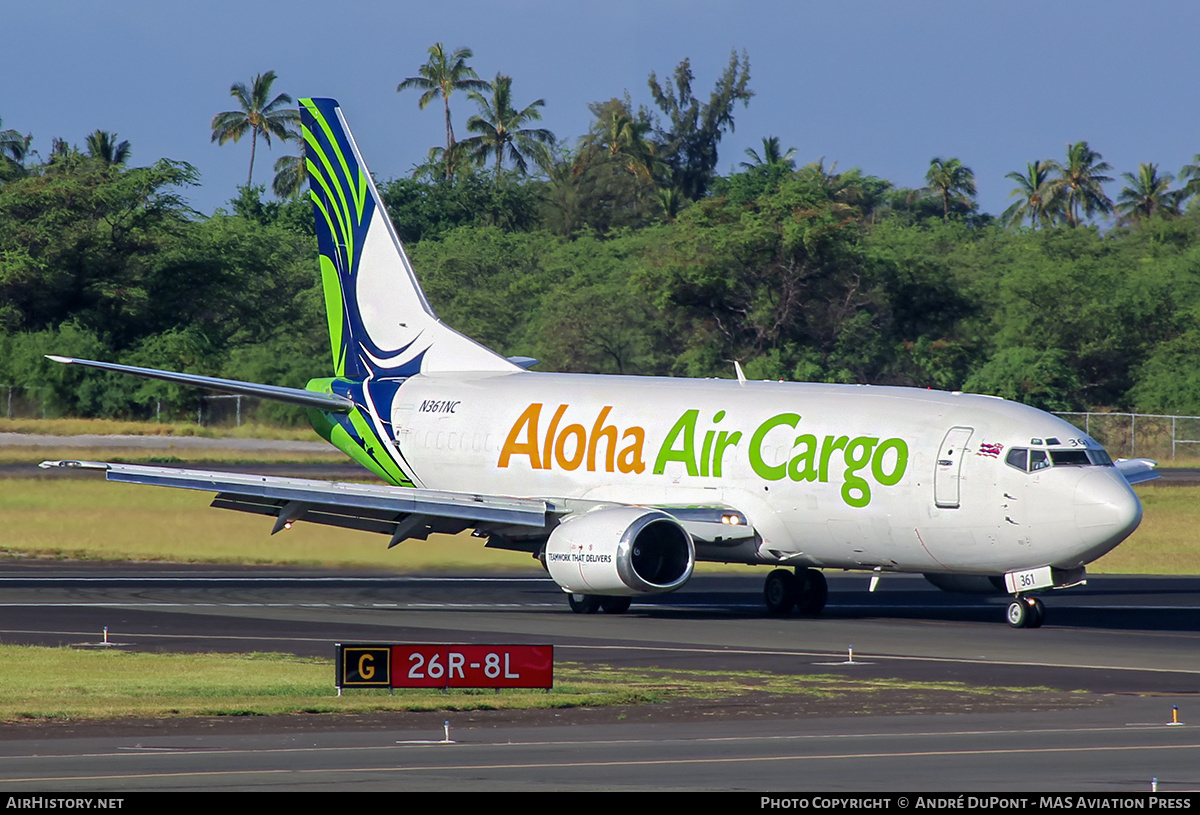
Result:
pixel 472 666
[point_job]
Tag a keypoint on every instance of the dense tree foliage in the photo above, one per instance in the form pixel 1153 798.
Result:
pixel 623 252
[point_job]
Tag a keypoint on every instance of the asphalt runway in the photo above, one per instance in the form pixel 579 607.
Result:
pixel 1132 644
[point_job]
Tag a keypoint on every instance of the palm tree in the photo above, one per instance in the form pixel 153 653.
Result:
pixel 1190 175
pixel 103 145
pixel 772 155
pixel 501 126
pixel 848 193
pixel 672 200
pixel 290 177
pixel 257 115
pixel 13 149
pixel 624 137
pixel 1032 193
pixel 951 180
pixel 442 76
pixel 1079 183
pixel 442 163
pixel 1147 195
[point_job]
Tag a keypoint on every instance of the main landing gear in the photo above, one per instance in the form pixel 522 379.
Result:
pixel 803 589
pixel 591 603
pixel 1026 612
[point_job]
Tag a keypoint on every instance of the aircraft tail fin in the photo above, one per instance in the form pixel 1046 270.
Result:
pixel 380 324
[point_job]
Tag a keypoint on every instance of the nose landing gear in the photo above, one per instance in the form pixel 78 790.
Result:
pixel 1026 612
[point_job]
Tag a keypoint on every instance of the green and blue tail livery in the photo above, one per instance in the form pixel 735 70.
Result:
pixel 380 324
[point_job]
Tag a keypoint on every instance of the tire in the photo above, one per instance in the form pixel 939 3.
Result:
pixel 812 592
pixel 779 592
pixel 1018 614
pixel 583 603
pixel 615 605
pixel 1037 612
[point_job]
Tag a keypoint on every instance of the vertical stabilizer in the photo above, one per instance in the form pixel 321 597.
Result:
pixel 380 324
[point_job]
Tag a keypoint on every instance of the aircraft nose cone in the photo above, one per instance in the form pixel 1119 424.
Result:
pixel 1107 511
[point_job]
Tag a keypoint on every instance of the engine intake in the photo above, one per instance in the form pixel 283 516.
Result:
pixel 620 551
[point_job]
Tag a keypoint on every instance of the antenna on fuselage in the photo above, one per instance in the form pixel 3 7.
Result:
pixel 741 375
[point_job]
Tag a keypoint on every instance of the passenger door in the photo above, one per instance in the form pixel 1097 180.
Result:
pixel 947 472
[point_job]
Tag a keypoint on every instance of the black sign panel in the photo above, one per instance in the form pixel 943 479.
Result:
pixel 364 666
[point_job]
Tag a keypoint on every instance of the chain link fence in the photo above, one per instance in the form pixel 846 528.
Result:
pixel 208 410
pixel 1141 435
pixel 1124 435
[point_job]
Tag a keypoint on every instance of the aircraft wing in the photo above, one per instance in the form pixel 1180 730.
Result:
pixel 401 512
pixel 1137 470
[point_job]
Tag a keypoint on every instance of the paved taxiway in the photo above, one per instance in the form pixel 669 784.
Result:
pixel 1136 641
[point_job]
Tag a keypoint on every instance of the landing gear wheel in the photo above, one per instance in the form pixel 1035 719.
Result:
pixel 584 603
pixel 811 592
pixel 1017 614
pixel 779 592
pixel 1026 612
pixel 1037 612
pixel 615 605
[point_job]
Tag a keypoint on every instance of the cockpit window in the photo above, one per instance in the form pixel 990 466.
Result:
pixel 1018 457
pixel 1038 460
pixel 1028 461
pixel 1078 458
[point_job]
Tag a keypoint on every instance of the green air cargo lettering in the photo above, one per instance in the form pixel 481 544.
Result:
pixel 862 459
pixel 810 460
pixel 680 445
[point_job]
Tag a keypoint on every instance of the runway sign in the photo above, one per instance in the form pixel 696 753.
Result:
pixel 445 666
pixel 364 666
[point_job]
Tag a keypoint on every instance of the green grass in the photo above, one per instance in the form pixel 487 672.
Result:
pixel 168 456
pixel 70 684
pixel 1168 540
pixel 91 519
pixel 114 427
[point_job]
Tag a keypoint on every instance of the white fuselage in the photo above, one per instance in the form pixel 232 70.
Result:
pixel 837 476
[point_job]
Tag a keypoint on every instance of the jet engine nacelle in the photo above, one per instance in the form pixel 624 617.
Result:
pixel 968 583
pixel 620 551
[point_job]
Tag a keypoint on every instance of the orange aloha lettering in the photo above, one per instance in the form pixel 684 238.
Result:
pixel 573 446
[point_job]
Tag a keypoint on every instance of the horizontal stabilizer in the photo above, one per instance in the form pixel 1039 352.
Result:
pixel 1137 470
pixel 294 396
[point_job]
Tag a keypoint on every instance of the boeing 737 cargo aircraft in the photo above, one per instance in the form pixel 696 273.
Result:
pixel 619 484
